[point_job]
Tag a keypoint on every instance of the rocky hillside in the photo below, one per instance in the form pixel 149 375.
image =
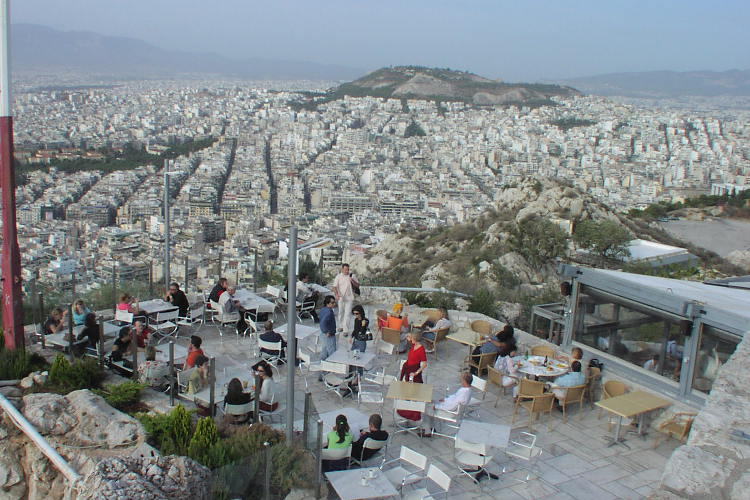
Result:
pixel 415 82
pixel 509 254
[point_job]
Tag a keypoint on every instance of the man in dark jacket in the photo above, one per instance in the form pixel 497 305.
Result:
pixel 271 336
pixel 375 433
pixel 177 298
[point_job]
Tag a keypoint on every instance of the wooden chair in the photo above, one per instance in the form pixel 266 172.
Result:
pixel 495 377
pixel 481 326
pixel 484 362
pixel 610 389
pixel 431 345
pixel 432 315
pixel 391 336
pixel 535 406
pixel 544 350
pixel 571 395
pixel 528 388
pixel 677 426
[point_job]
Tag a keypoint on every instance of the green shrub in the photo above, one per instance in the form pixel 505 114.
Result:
pixel 121 396
pixel 169 432
pixel 484 301
pixel 205 446
pixel 19 363
pixel 65 376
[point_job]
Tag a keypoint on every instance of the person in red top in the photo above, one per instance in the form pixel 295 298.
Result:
pixel 194 351
pixel 141 332
pixel 416 361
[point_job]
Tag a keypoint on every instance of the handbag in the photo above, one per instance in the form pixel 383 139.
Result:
pixel 355 286
pixel 595 363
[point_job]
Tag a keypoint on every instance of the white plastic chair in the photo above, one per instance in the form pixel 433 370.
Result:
pixel 400 475
pixel 447 419
pixel 124 317
pixel 165 324
pixel 523 447
pixel 437 476
pixel 271 414
pixel 337 454
pixel 195 315
pixel 371 444
pixel 223 318
pixel 480 384
pixel 337 377
pixel 271 346
pixel 406 425
pixel 473 455
pixel 242 410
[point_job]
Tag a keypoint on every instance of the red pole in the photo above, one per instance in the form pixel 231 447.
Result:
pixel 11 260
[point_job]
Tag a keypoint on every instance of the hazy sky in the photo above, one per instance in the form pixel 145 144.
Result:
pixel 513 40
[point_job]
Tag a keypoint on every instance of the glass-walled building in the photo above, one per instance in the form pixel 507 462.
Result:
pixel 670 335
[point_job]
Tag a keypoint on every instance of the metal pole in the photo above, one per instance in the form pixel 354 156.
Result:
pixel 41 318
pixel 267 478
pixel 100 344
pixel 306 419
pixel 212 385
pixel 291 339
pixel 71 334
pixel 134 348
pixel 319 458
pixel 151 279
pixel 171 373
pixel 237 275
pixel 73 283
pixel 255 270
pixel 11 255
pixel 166 223
pixel 256 400
pixel 185 285
pixel 114 288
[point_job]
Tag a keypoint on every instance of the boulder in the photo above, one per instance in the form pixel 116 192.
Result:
pixel 11 392
pixel 740 258
pixel 40 378
pixel 147 478
pixel 693 471
pixel 48 413
pixel 27 382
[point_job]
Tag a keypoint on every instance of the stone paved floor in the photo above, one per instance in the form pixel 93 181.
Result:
pixel 576 463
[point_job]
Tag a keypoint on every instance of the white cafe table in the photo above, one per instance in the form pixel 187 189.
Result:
pixel 345 357
pixel 494 435
pixel 58 339
pixel 356 419
pixel 534 366
pixel 253 302
pixel 155 306
pixel 301 331
pixel 319 288
pixel 355 484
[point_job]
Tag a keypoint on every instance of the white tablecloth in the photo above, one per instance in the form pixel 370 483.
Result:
pixel 252 301
pixel 155 306
pixel 345 357
pixel 349 484
pixel 539 370
pixel 300 331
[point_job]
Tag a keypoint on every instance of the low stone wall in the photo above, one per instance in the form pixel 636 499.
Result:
pixel 712 464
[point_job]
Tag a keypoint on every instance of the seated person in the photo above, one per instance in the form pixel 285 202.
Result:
pixel 219 288
pixel 121 347
pixel 199 378
pixel 307 296
pixel 451 403
pixel 571 379
pixel 237 396
pixel 142 333
pixel 177 298
pixel 382 319
pixel 228 305
pixel 79 312
pixel 271 336
pixel 503 343
pixel 430 328
pixel 374 432
pixel 509 368
pixel 90 331
pixel 397 321
pixel 129 304
pixel 194 350
pixel 267 387
pixel 652 364
pixel 338 438
pixel 55 322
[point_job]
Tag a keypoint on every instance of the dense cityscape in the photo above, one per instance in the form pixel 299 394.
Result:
pixel 353 170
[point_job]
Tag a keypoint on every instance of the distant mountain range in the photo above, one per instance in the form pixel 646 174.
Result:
pixel 666 83
pixel 417 82
pixel 43 48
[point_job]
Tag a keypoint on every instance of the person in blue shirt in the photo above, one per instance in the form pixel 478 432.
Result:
pixel 79 312
pixel 327 327
pixel 571 379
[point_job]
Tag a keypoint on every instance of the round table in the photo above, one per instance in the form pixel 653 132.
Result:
pixel 534 366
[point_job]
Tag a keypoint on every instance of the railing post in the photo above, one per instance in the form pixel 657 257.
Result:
pixel 319 459
pixel 267 478
pixel 71 334
pixel 187 270
pixel 256 400
pixel 291 337
pixel 41 318
pixel 212 386
pixel 100 344
pixel 134 349
pixel 114 288
pixel 306 418
pixel 171 373
pixel 151 279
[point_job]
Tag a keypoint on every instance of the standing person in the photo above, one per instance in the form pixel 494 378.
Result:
pixel 416 361
pixel 79 312
pixel 360 331
pixel 177 298
pixel 306 295
pixel 343 288
pixel 327 328
pixel 219 288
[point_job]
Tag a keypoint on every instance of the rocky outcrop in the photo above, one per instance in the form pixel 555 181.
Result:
pixel 128 478
pixel 740 258
pixel 99 442
pixel 712 464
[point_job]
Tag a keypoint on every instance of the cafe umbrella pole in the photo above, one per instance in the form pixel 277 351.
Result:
pixel 291 339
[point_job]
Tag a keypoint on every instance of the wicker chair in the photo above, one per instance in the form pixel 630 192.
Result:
pixel 535 406
pixel 544 350
pixel 572 395
pixel 677 426
pixel 593 376
pixel 431 345
pixel 481 326
pixel 484 362
pixel 495 377
pixel 610 389
pixel 391 336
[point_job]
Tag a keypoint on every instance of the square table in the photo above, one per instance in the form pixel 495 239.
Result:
pixel 466 337
pixel 58 339
pixel 410 391
pixel 345 357
pixel 348 484
pixel 319 288
pixel 494 435
pixel 301 331
pixel 632 404
pixel 253 302
pixel 155 306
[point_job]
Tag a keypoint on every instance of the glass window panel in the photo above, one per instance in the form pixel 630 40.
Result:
pixel 714 349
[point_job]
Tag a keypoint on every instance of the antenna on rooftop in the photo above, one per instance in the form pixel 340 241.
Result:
pixel 11 260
